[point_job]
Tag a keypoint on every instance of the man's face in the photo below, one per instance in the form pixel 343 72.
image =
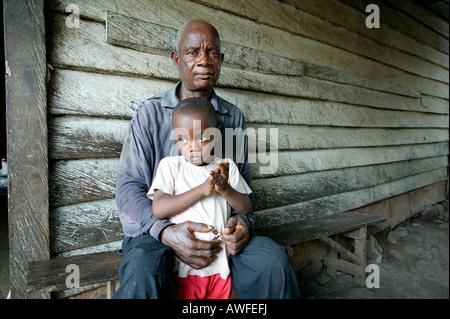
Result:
pixel 198 58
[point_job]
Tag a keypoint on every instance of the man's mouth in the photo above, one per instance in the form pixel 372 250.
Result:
pixel 204 76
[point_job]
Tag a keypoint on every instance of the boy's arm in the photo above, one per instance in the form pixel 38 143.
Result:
pixel 238 201
pixel 165 205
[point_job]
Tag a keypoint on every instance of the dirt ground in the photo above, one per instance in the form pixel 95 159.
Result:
pixel 414 263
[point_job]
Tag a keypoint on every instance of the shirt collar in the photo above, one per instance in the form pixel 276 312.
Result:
pixel 170 99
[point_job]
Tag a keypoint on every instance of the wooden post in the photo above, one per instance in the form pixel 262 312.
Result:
pixel 26 115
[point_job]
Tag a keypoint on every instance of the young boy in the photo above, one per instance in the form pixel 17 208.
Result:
pixel 201 188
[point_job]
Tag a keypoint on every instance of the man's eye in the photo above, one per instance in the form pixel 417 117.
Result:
pixel 182 140
pixel 204 138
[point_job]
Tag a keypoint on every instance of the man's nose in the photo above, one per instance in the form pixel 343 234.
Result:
pixel 203 58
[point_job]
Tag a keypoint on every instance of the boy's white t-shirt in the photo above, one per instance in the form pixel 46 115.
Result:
pixel 175 175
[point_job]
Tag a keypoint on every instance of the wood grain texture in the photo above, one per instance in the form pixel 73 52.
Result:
pixel 26 116
pixel 342 202
pixel 113 96
pixel 79 137
pixel 74 232
pixel 75 181
pixel 261 37
pixel 408 25
pixel 89 51
pixel 157 39
pixel 83 225
pixel 51 275
pixel 286 17
pixel 323 20
pixel 287 190
pixel 303 231
pixel 424 15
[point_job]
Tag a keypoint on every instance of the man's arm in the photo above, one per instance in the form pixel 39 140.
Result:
pixel 134 177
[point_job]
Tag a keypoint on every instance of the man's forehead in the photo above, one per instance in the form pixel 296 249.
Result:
pixel 200 31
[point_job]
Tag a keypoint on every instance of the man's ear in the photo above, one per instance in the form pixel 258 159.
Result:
pixel 175 59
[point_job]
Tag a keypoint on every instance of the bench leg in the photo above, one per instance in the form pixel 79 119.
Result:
pixel 360 252
pixel 357 267
pixel 332 254
pixel 111 288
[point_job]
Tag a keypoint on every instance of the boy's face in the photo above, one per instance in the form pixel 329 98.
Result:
pixel 195 136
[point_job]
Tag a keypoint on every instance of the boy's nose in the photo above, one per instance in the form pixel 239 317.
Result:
pixel 195 146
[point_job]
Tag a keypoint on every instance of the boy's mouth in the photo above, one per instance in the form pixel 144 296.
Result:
pixel 196 158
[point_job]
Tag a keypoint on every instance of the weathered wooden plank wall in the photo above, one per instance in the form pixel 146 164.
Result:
pixel 362 114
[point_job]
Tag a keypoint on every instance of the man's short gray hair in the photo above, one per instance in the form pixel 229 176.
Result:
pixel 181 30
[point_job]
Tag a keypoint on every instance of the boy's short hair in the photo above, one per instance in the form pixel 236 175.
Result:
pixel 193 105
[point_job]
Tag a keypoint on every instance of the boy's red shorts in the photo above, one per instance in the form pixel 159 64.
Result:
pixel 211 287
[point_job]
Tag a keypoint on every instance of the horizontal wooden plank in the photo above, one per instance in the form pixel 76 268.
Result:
pixel 88 50
pixel 86 137
pixel 288 163
pixel 287 190
pixel 93 94
pixel 51 275
pixel 423 14
pixel 303 231
pixel 74 181
pixel 401 22
pixel 288 18
pixel 339 203
pixel 82 181
pixel 84 224
pixel 258 36
pixel 351 19
pixel 77 138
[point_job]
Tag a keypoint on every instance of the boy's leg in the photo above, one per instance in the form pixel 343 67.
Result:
pixel 262 271
pixel 145 271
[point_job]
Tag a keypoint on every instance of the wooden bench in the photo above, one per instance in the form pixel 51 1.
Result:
pixel 51 275
pixel 349 224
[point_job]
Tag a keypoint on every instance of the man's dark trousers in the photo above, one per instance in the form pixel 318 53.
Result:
pixel 260 271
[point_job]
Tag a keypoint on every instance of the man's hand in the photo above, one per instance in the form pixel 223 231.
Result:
pixel 192 251
pixel 235 235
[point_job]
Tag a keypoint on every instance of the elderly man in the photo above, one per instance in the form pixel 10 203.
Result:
pixel 260 267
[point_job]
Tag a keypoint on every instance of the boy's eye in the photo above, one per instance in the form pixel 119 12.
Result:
pixel 182 140
pixel 204 138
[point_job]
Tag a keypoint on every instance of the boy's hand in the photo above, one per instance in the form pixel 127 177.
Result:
pixel 207 186
pixel 219 176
